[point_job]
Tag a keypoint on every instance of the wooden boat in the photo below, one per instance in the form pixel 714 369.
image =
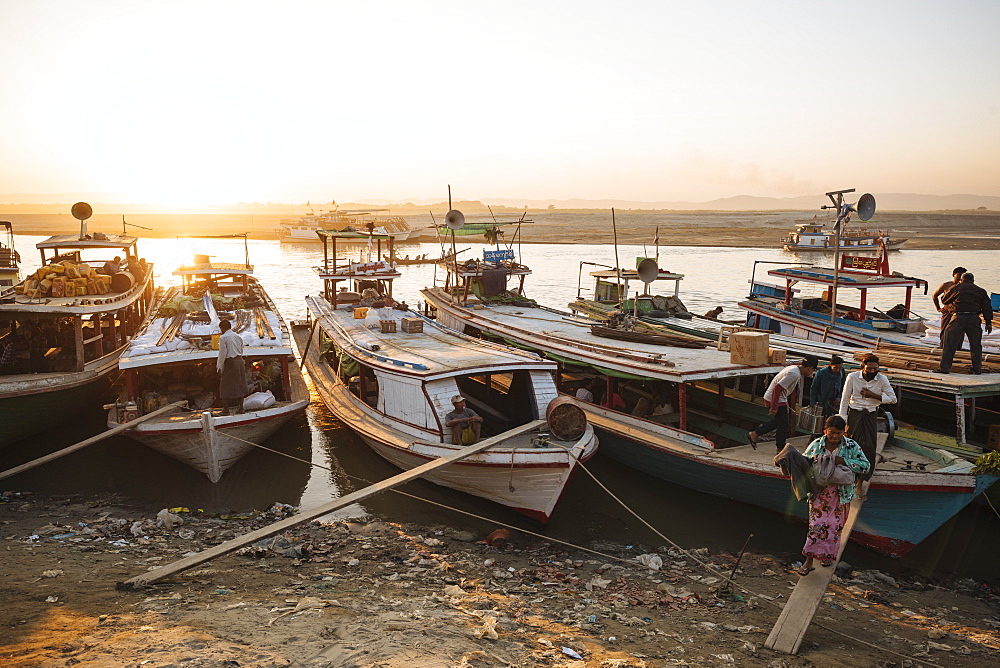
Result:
pixel 393 383
pixel 813 237
pixel 304 229
pixel 10 272
pixel 64 327
pixel 701 443
pixel 776 307
pixel 172 358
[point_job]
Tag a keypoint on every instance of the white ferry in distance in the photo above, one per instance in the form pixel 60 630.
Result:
pixel 812 237
pixel 303 229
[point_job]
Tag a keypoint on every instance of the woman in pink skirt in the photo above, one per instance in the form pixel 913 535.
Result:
pixel 828 510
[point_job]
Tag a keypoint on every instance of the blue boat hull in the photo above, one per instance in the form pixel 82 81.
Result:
pixel 894 519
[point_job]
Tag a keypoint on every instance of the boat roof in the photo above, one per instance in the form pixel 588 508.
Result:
pixel 571 338
pixel 142 351
pixel 214 268
pixel 845 278
pixel 378 269
pixel 633 275
pixel 79 305
pixel 351 233
pixel 89 241
pixel 436 351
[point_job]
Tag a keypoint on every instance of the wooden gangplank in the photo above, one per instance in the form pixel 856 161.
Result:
pixel 797 615
pixel 311 514
pixel 90 441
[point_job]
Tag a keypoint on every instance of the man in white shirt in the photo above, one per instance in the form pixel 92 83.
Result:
pixel 864 391
pixel 780 398
pixel 233 383
pixel 584 393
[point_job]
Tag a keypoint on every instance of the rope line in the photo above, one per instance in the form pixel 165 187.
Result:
pixel 628 562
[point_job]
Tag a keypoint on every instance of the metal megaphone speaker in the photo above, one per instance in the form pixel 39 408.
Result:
pixel 454 219
pixel 647 270
pixel 865 207
pixel 82 211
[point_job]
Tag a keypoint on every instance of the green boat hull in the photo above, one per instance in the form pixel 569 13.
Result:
pixel 26 415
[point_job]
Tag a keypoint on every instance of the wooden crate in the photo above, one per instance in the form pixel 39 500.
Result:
pixel 387 326
pixel 412 325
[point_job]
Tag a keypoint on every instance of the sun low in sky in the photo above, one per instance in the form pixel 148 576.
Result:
pixel 217 102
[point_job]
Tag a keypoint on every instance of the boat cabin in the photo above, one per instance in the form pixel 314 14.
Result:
pixel 487 279
pixel 374 274
pixel 611 287
pixel 855 273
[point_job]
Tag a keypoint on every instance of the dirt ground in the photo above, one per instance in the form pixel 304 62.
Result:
pixel 378 594
pixel 972 230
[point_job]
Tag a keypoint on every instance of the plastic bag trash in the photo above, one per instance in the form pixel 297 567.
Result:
pixel 570 653
pixel 488 630
pixel 168 519
pixel 453 591
pixel 258 401
pixel 650 561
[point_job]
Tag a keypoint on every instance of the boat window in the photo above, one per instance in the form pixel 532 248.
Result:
pixel 503 400
pixel 364 385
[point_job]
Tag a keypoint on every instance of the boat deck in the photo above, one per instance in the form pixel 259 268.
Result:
pixel 562 333
pixel 432 351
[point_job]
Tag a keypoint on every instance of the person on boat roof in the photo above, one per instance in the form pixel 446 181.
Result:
pixel 969 302
pixel 714 313
pixel 780 396
pixel 828 510
pixel 864 392
pixel 463 418
pixel 946 312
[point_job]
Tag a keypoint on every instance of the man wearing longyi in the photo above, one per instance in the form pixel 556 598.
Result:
pixel 865 390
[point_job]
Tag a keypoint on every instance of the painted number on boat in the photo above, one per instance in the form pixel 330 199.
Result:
pixel 857 262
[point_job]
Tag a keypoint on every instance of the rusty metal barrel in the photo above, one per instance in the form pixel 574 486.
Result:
pixel 566 419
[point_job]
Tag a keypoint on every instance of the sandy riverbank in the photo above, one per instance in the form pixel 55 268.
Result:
pixel 393 596
pixel 979 230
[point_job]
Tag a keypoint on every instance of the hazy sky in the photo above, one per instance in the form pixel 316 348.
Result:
pixel 218 102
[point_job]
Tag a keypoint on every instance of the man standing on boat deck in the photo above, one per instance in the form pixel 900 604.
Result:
pixel 947 312
pixel 460 419
pixel 779 399
pixel 827 385
pixel 233 383
pixel 865 390
pixel 969 302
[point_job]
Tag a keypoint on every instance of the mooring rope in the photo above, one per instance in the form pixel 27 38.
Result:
pixel 630 562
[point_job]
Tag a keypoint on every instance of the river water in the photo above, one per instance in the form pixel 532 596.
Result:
pixel 119 469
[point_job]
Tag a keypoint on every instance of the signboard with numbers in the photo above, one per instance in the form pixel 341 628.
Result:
pixel 498 255
pixel 859 262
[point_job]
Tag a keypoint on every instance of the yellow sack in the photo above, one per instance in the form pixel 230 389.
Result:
pixel 468 436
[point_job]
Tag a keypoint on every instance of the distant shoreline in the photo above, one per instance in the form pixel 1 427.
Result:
pixel 746 229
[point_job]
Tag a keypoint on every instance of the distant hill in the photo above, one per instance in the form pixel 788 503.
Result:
pixel 109 202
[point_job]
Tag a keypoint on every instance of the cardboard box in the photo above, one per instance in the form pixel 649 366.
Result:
pixel 412 325
pixel 776 356
pixel 750 348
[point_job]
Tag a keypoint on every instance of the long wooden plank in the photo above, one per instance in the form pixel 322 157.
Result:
pixel 797 615
pixel 311 514
pixel 90 441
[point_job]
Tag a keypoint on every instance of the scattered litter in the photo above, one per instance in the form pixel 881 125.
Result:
pixel 55 572
pixel 167 519
pixel 488 630
pixel 570 653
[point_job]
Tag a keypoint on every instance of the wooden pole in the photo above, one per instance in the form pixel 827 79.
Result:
pixel 311 514
pixel 90 441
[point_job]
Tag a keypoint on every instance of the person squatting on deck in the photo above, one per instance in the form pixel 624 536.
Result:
pixel 865 390
pixel 969 302
pixel 780 398
pixel 233 383
pixel 947 311
pixel 829 508
pixel 827 385
pixel 465 423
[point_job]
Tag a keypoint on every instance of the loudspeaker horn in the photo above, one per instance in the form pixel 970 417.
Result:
pixel 82 211
pixel 454 219
pixel 865 206
pixel 648 270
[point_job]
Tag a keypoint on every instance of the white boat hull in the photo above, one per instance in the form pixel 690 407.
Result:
pixel 210 442
pixel 524 478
